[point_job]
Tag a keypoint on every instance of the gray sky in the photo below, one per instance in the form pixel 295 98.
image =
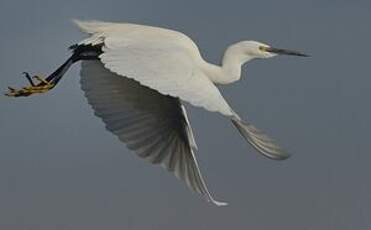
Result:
pixel 60 169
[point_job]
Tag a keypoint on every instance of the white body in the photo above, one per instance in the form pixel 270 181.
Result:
pixel 135 89
pixel 128 34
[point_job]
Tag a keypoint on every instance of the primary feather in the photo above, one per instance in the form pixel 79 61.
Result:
pixel 155 126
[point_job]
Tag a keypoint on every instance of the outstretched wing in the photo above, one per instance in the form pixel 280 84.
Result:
pixel 160 59
pixel 153 125
pixel 168 62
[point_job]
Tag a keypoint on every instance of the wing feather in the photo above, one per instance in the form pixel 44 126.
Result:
pixel 153 125
pixel 169 62
pixel 161 59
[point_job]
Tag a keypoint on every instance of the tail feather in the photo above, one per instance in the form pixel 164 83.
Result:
pixel 260 141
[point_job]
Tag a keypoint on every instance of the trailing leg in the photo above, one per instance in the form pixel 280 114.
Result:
pixel 80 52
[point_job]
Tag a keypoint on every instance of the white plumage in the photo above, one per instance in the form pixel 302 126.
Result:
pixel 140 80
pixel 156 127
pixel 162 59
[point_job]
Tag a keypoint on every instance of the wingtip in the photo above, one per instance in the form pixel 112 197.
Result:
pixel 86 26
pixel 220 204
pixel 79 24
pixel 280 157
pixel 285 157
pixel 76 21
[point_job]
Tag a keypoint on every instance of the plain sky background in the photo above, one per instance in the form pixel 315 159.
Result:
pixel 60 169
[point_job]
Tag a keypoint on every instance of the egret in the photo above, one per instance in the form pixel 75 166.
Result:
pixel 136 78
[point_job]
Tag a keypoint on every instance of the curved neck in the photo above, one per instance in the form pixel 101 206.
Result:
pixel 230 70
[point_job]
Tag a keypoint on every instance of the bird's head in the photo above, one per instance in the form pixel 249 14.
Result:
pixel 254 49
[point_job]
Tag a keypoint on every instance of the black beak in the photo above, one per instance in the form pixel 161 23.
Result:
pixel 285 52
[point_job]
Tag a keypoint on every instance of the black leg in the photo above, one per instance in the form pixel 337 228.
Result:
pixel 27 75
pixel 80 52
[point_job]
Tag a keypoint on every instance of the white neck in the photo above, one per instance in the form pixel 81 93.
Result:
pixel 230 71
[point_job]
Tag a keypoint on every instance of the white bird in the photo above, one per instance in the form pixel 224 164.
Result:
pixel 137 77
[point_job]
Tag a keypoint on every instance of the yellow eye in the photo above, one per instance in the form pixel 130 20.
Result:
pixel 263 48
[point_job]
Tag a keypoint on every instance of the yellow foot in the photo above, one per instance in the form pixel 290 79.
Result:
pixel 43 87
